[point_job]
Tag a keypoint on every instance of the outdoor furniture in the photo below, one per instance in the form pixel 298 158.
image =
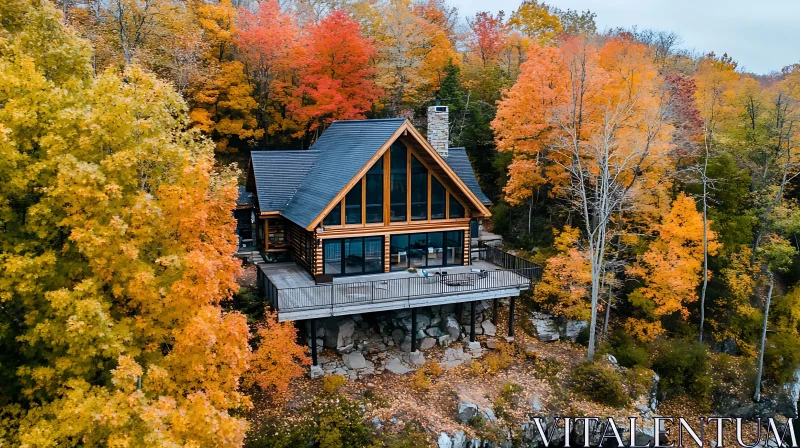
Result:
pixel 428 278
pixel 454 280
pixel 481 273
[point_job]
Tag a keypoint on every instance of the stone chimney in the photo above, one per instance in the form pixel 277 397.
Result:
pixel 439 129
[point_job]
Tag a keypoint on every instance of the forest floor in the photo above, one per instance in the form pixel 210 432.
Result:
pixel 542 369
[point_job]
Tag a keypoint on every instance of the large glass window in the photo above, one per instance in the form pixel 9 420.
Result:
pixel 454 247
pixel 456 209
pixel 418 250
pixel 398 252
pixel 352 205
pixel 277 231
pixel 438 198
pixel 374 199
pixel 334 218
pixel 422 250
pixel 419 190
pixel 398 178
pixel 373 254
pixel 332 255
pixel 353 255
pixel 435 249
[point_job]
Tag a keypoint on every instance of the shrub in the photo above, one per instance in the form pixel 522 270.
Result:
pixel 328 422
pixel 632 356
pixel 499 407
pixel 377 401
pixel 432 369
pixel 546 368
pixel 507 398
pixel 640 381
pixel 277 434
pixel 476 368
pixel 420 381
pixel 331 384
pixel 583 337
pixel 629 352
pixel 782 356
pixel 476 421
pixel 684 369
pixel 413 435
pixel 338 422
pixel 600 383
pixel 500 359
pixel 510 391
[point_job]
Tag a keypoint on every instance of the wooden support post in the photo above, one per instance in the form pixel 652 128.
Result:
pixel 472 321
pixel 511 317
pixel 413 329
pixel 314 342
pixel 494 311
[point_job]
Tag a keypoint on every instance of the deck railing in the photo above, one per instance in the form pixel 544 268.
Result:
pixel 507 260
pixel 336 295
pixel 516 272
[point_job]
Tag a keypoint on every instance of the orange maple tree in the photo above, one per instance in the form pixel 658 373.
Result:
pixel 589 118
pixel 278 358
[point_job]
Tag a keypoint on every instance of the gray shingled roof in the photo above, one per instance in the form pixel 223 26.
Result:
pixel 459 162
pixel 278 175
pixel 300 184
pixel 344 148
pixel 245 199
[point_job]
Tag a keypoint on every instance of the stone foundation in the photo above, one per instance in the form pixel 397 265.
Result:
pixel 377 332
pixel 373 343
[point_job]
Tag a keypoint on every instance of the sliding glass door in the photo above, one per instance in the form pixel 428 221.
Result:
pixel 351 256
pixel 431 249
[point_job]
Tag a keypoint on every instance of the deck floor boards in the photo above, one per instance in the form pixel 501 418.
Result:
pixel 300 298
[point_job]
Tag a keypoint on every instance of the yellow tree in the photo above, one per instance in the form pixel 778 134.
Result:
pixel 671 269
pixel 536 21
pixel 591 118
pixel 404 41
pixel 116 249
pixel 222 102
pixel 566 280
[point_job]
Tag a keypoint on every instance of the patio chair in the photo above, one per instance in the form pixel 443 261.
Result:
pixel 428 278
pixel 480 273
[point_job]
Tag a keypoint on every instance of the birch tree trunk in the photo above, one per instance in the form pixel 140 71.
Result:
pixel 757 395
pixel 705 245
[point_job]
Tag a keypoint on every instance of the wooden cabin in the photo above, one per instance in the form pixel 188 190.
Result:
pixel 370 196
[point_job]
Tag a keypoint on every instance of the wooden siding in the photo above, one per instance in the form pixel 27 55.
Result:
pixel 303 246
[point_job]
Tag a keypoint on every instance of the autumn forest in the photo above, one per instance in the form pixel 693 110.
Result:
pixel 658 188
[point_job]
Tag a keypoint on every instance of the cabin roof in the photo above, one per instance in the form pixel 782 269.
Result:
pixel 278 175
pixel 301 184
pixel 459 162
pixel 343 149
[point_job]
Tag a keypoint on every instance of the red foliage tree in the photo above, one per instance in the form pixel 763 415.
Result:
pixel 268 42
pixel 488 36
pixel 337 81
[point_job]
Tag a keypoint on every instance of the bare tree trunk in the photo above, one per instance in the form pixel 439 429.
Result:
pixel 530 212
pixel 705 247
pixel 757 395
pixel 608 313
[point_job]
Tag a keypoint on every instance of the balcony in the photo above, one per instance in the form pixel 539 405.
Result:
pixel 291 291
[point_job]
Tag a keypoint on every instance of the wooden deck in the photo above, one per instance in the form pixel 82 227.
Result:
pixel 291 290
